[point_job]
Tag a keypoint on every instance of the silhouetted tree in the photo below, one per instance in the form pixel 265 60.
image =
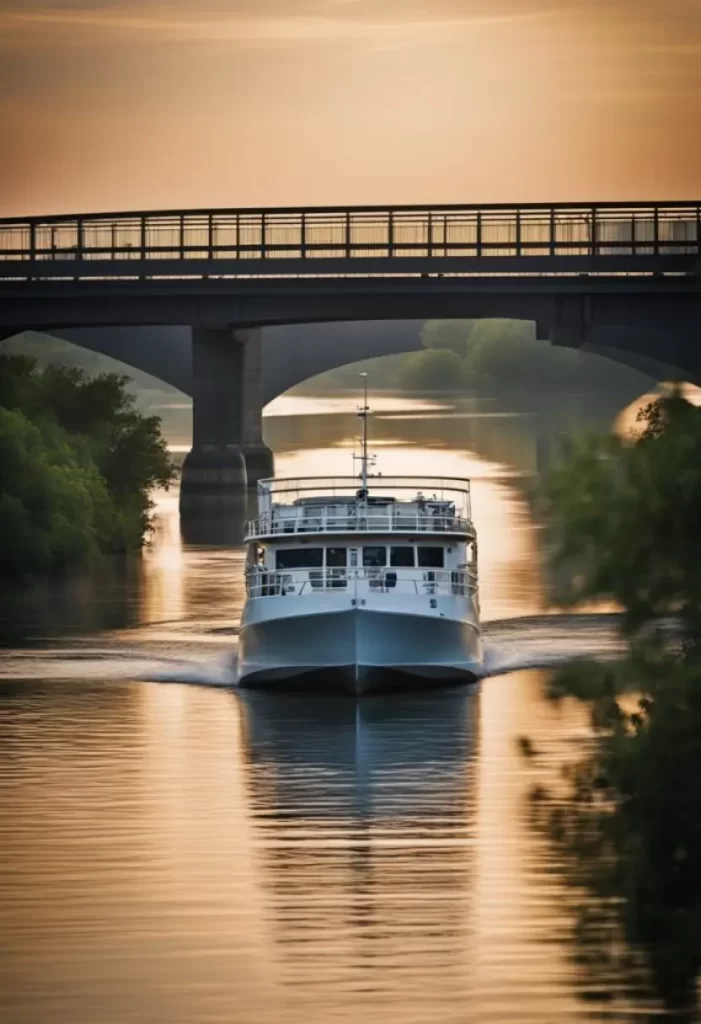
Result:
pixel 623 523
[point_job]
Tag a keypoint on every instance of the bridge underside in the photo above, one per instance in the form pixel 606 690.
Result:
pixel 308 327
pixel 311 326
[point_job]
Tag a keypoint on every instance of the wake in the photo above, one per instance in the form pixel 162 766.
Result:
pixel 510 645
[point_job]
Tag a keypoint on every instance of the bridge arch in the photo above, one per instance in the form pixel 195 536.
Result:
pixel 292 354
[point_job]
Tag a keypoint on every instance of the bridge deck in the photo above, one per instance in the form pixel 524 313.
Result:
pixel 634 238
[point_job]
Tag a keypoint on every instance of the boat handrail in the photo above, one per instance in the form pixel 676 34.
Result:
pixel 282 493
pixel 262 583
pixel 350 484
pixel 355 520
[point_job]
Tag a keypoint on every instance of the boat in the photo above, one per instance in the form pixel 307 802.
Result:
pixel 361 584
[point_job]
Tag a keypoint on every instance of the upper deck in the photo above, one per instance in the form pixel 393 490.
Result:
pixel 338 505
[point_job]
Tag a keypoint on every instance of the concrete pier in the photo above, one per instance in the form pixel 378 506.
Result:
pixel 214 483
pixel 228 455
pixel 257 455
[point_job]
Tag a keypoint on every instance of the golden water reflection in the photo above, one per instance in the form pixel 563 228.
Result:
pixel 185 854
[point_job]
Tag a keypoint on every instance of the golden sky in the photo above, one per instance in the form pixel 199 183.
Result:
pixel 119 104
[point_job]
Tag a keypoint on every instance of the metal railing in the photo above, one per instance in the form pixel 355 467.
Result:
pixel 309 582
pixel 394 522
pixel 395 493
pixel 243 241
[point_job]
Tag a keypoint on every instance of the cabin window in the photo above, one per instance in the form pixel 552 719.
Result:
pixel 374 557
pixel 300 558
pixel 402 557
pixel 430 558
pixel 336 558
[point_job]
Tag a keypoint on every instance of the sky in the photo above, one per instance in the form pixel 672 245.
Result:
pixel 147 104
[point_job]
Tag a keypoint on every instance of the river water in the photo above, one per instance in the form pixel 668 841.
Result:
pixel 174 850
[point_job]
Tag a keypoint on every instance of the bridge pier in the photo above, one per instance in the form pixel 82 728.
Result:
pixel 227 434
pixel 571 320
pixel 257 455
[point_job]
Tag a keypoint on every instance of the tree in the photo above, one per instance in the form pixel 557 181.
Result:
pixel 505 355
pixel 127 447
pixel 433 370
pixel 84 433
pixel 623 523
pixel 55 509
pixel 623 519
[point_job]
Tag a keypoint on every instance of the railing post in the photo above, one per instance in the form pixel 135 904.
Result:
pixel 210 236
pixel 553 230
pixel 390 234
pixel 429 234
pixel 263 229
pixel 182 236
pixel 519 247
pixel 348 234
pixel 32 240
pixel 80 239
pixel 656 229
pixel 303 236
pixel 143 238
pixel 478 235
pixel 594 231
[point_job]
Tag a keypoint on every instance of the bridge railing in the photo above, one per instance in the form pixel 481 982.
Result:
pixel 400 232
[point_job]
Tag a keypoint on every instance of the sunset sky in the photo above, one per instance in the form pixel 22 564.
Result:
pixel 118 104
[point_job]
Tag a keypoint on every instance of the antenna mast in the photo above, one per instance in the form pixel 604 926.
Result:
pixel 364 417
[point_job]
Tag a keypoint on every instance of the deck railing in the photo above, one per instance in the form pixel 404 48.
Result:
pixel 393 522
pixel 290 236
pixel 310 582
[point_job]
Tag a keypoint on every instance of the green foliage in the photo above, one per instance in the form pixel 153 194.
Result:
pixel 55 509
pixel 433 370
pixel 623 523
pixel 623 519
pixel 506 355
pixel 494 356
pixel 498 356
pixel 78 465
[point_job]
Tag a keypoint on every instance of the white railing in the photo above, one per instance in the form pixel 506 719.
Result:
pixel 395 521
pixel 274 493
pixel 310 582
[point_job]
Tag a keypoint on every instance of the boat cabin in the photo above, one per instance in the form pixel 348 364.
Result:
pixel 306 543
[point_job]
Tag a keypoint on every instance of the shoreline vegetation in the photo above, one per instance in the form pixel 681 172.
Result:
pixel 78 464
pixel 492 357
pixel 622 522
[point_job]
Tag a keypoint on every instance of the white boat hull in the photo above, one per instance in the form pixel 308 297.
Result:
pixel 359 650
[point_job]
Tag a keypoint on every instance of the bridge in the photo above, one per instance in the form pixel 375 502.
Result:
pixel 602 274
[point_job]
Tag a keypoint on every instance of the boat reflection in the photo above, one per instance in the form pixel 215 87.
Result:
pixel 299 747
pixel 364 821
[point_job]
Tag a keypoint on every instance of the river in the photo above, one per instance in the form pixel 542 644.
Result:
pixel 173 850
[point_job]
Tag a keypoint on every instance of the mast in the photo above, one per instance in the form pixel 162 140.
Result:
pixel 363 413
